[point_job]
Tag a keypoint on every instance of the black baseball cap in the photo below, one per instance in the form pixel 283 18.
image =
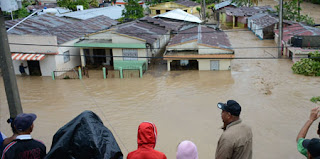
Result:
pixel 23 121
pixel 313 147
pixel 231 106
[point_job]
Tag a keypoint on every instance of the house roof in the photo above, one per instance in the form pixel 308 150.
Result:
pixel 168 25
pixel 179 14
pixel 64 28
pixel 224 4
pixel 263 20
pixel 107 44
pixel 298 29
pixel 142 30
pixel 113 12
pixel 202 35
pixel 247 11
pixel 187 3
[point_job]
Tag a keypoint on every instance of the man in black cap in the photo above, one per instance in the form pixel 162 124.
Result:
pixel 313 147
pixel 236 139
pixel 24 147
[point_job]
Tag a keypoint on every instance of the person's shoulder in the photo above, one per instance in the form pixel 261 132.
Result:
pixel 39 142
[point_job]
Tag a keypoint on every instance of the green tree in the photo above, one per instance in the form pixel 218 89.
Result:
pixel 71 4
pixel 308 67
pixel 315 99
pixel 132 11
pixel 291 11
pixel 248 3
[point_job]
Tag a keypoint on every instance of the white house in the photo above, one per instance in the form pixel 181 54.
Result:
pixel 45 43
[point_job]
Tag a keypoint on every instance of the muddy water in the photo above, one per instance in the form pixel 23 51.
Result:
pixel 313 10
pixel 182 104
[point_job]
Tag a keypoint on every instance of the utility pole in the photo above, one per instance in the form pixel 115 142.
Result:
pixel 204 10
pixel 9 78
pixel 280 28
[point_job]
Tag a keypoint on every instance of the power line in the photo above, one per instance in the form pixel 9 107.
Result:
pixel 234 48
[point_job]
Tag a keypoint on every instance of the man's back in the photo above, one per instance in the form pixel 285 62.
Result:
pixel 235 142
pixel 24 149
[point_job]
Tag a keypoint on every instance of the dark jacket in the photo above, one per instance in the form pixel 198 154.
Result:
pixel 24 149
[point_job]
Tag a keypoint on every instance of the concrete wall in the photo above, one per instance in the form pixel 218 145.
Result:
pixel 191 44
pixel 209 50
pixel 48 65
pixel 33 39
pixel 74 53
pixel 118 52
pixel 224 64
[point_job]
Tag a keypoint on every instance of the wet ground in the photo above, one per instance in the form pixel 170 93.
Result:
pixel 182 104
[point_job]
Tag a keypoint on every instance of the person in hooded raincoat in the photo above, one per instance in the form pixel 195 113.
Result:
pixel 187 150
pixel 147 138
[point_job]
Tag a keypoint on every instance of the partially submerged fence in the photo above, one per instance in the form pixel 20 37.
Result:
pixel 70 73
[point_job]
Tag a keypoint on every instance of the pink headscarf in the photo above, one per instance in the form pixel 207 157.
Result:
pixel 187 150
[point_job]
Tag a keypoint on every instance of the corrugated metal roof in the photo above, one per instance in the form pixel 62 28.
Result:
pixel 187 3
pixel 247 11
pixel 203 35
pixel 169 25
pixel 108 44
pixel 65 29
pixel 224 4
pixel 113 12
pixel 179 14
pixel 143 30
pixel 298 29
pixel 263 20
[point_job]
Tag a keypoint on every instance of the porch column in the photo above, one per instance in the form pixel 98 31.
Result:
pixel 91 55
pixel 168 64
pixel 82 58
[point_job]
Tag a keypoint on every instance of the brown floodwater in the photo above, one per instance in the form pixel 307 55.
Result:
pixel 307 8
pixel 182 104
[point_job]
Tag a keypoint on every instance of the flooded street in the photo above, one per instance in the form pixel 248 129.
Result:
pixel 182 104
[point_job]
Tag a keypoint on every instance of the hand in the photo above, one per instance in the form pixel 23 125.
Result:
pixel 314 114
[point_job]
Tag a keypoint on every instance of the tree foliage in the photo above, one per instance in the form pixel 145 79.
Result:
pixel 248 3
pixel 71 4
pixel 291 10
pixel 132 10
pixel 308 67
pixel 315 99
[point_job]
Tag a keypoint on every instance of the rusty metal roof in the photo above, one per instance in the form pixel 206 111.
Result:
pixel 203 35
pixel 168 25
pixel 142 29
pixel 247 11
pixel 263 20
pixel 298 29
pixel 65 29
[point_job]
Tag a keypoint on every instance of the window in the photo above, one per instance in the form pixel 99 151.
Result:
pixel 66 56
pixel 184 62
pixel 130 54
pixel 157 11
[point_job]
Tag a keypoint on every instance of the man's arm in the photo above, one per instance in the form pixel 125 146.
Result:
pixel 314 115
pixel 224 149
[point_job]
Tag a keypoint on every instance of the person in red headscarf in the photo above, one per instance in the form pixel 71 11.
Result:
pixel 147 138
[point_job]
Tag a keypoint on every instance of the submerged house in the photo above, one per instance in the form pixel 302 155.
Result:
pixel 238 17
pixel 44 42
pixel 299 40
pixel 262 25
pixel 220 8
pixel 185 5
pixel 199 48
pixel 126 46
